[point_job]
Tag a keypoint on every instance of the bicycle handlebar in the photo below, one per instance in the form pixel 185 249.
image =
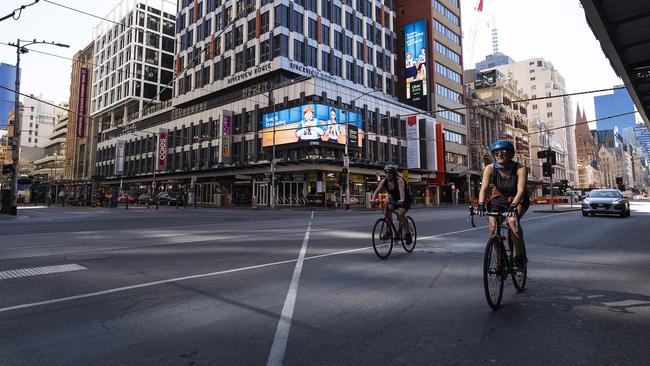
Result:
pixel 473 212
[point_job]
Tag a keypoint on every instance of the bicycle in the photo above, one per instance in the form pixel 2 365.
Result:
pixel 498 260
pixel 384 234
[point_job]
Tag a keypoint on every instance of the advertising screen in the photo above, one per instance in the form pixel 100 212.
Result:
pixel 415 49
pixel 310 123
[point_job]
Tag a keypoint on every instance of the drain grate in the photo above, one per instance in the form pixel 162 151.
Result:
pixel 38 271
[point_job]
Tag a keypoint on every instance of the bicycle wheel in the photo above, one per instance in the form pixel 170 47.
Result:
pixel 414 236
pixel 493 276
pixel 519 275
pixel 382 247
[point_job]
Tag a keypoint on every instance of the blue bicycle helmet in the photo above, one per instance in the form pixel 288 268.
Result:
pixel 502 144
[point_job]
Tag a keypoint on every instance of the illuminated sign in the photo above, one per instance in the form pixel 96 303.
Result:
pixel 415 73
pixel 311 123
pixel 81 102
pixel 162 149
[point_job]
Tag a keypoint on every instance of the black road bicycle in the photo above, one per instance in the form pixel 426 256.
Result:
pixel 384 233
pixel 497 261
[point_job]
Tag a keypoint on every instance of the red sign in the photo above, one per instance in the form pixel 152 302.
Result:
pixel 162 149
pixel 81 102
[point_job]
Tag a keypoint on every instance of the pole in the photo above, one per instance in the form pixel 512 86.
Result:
pixel 15 148
pixel 346 164
pixel 273 153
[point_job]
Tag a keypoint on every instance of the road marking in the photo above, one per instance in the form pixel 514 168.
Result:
pixel 38 271
pixel 178 279
pixel 282 332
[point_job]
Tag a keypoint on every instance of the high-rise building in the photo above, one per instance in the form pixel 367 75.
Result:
pixel 539 78
pixel 642 135
pixel 37 122
pixel 608 105
pixel 51 165
pixel 133 60
pixel 429 66
pixel 493 60
pixel 277 90
pixel 7 97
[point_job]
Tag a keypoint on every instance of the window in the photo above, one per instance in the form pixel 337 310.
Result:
pixel 454 158
pixel 447 72
pixel 298 54
pixel 336 66
pixel 282 16
pixel 349 21
pixel 448 93
pixel 534 106
pixel 336 15
pixel 297 24
pixel 250 57
pixel 326 9
pixel 264 22
pixel 454 137
pixel 446 12
pixel 451 115
pixel 311 56
pixel 251 29
pixel 442 49
pixel 347 45
pixel 239 35
pixel 451 35
pixel 325 61
pixel 311 28
pixel 265 51
pixel 549 114
pixel 338 40
pixel 310 5
pixel 280 45
pixel 326 35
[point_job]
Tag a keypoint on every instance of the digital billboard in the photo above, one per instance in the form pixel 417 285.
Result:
pixel 312 123
pixel 415 73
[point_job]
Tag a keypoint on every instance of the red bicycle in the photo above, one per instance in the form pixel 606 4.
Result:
pixel 384 233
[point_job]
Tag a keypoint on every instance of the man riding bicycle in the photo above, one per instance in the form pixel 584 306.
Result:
pixel 400 195
pixel 508 180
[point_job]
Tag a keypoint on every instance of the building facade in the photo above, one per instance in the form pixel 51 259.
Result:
pixel 538 78
pixel 82 130
pixel 37 124
pixel 277 92
pixel 430 71
pixel 587 153
pixel 608 105
pixel 132 61
pixel 7 97
pixel 494 60
pixel 51 166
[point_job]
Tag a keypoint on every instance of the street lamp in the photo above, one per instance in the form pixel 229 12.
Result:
pixel 15 150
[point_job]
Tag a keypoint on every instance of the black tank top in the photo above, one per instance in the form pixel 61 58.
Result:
pixel 394 193
pixel 506 186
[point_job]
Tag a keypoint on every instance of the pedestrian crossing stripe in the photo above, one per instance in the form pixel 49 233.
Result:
pixel 38 271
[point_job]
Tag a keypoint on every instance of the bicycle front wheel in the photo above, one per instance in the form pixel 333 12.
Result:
pixel 493 273
pixel 414 236
pixel 519 275
pixel 382 239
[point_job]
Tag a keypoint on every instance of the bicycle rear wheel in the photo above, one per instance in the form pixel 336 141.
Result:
pixel 382 247
pixel 519 275
pixel 493 273
pixel 414 236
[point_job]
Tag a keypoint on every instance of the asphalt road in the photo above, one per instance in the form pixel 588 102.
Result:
pixel 296 287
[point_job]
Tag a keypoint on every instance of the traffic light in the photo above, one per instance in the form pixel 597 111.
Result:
pixel 343 177
pixel 542 154
pixel 547 169
pixel 619 180
pixel 552 157
pixel 7 169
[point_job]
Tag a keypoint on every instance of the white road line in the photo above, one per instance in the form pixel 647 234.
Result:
pixel 282 332
pixel 178 279
pixel 28 272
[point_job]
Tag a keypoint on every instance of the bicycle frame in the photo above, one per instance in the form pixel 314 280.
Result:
pixel 504 224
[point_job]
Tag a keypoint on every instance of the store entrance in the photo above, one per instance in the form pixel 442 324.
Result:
pixel 291 193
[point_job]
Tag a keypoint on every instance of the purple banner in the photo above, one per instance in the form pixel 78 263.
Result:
pixel 81 103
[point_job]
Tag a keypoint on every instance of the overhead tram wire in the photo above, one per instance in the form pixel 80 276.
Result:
pixel 19 10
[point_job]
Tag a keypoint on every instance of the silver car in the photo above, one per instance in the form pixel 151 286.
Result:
pixel 606 201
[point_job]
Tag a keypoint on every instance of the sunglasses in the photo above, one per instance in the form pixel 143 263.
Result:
pixel 503 152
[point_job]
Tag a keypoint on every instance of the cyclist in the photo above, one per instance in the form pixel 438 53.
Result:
pixel 508 180
pixel 399 193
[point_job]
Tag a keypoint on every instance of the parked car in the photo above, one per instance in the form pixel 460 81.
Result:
pixel 124 197
pixel 175 197
pixel 606 201
pixel 143 199
pixel 163 198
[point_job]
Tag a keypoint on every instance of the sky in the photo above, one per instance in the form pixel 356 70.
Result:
pixel 555 30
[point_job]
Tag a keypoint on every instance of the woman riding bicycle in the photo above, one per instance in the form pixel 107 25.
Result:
pixel 399 196
pixel 508 180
